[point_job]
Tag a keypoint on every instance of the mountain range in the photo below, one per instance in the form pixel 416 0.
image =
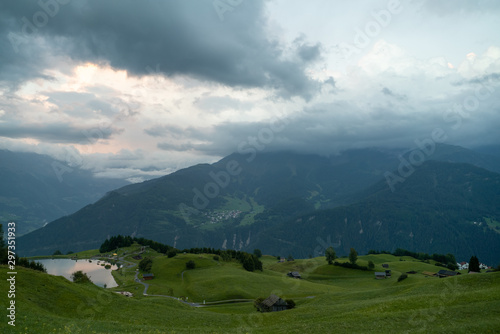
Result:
pixel 36 189
pixel 287 203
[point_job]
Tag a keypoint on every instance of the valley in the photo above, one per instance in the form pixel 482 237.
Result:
pixel 285 203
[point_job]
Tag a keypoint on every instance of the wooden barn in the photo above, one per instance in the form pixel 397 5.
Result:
pixel 274 303
pixel 148 276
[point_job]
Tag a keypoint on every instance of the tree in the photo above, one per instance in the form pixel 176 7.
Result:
pixel 330 255
pixel 190 264
pixel 57 252
pixel 452 266
pixel 353 256
pixel 146 264
pixel 257 252
pixel 248 262
pixel 80 277
pixel 371 265
pixel 3 248
pixel 171 253
pixel 474 264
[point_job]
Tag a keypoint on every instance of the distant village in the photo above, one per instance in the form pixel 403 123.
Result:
pixel 465 265
pixel 219 216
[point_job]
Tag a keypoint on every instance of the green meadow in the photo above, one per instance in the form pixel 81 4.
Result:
pixel 329 299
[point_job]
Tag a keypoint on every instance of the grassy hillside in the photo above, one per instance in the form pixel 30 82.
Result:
pixel 329 298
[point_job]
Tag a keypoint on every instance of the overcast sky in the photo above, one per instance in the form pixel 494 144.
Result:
pixel 137 89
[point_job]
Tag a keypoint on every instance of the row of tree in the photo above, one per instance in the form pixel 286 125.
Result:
pixel 249 261
pixel 115 242
pixel 331 255
pixel 447 260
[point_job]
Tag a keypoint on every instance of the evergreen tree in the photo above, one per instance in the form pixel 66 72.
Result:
pixel 248 262
pixel 474 264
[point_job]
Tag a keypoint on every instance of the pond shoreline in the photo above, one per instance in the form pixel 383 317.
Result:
pixel 99 271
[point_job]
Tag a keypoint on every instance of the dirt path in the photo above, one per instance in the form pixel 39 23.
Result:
pixel 146 286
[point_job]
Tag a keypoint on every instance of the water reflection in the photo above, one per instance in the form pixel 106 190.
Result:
pixel 99 275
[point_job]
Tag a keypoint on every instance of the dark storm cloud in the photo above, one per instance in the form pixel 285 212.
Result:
pixel 180 37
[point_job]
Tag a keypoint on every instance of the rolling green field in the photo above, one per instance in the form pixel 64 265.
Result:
pixel 329 299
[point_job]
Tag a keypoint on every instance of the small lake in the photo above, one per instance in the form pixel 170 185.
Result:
pixel 65 267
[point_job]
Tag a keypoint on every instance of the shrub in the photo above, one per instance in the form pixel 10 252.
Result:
pixel 402 277
pixel 371 265
pixel 171 253
pixel 258 304
pixel 146 264
pixel 216 258
pixel 349 265
pixel 190 264
pixel 80 277
pixel 290 303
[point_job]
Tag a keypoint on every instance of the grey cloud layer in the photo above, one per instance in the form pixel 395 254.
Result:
pixel 182 37
pixel 57 132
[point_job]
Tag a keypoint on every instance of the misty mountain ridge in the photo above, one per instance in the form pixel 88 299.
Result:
pixel 37 189
pixel 284 202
